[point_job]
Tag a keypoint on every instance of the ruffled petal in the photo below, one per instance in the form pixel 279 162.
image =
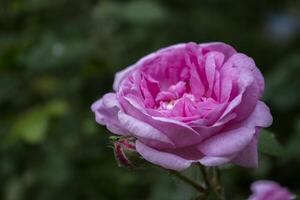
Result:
pixel 244 61
pixel 180 133
pixel 245 90
pixel 121 75
pixel 212 62
pixel 250 84
pixel 226 49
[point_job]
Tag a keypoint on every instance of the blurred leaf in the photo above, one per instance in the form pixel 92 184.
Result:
pixel 293 147
pixel 46 85
pixel 33 5
pixel 89 127
pixel 57 107
pixel 136 12
pixel 268 144
pixel 170 187
pixel 57 52
pixel 108 9
pixel 8 88
pixel 14 189
pixel 143 12
pixel 283 82
pixel 32 125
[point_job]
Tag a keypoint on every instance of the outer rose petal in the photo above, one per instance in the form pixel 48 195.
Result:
pixel 145 132
pixel 241 139
pixel 163 159
pixel 248 157
pixel 121 75
pixel 260 117
pixel 106 112
pixel 214 161
pixel 253 92
pixel 240 69
pixel 244 61
pixel 227 143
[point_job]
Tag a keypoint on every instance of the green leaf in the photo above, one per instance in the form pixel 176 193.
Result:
pixel 31 125
pixel 268 144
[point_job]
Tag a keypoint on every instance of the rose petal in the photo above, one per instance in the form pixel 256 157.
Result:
pixel 260 117
pixel 263 186
pixel 95 106
pixel 250 84
pixel 210 69
pixel 265 190
pixel 163 159
pixel 214 161
pixel 226 49
pixel 106 113
pixel 248 92
pixel 181 134
pixel 248 157
pixel 196 84
pixel 227 143
pixel 244 61
pixel 145 132
pixel 120 76
pixel 188 153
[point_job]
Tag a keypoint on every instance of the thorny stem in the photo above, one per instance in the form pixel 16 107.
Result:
pixel 188 181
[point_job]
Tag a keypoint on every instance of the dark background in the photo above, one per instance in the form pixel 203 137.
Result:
pixel 58 56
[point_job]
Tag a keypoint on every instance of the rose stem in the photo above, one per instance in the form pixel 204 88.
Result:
pixel 217 183
pixel 187 180
pixel 211 177
pixel 205 175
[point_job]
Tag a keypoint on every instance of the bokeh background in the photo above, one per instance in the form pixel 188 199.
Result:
pixel 58 56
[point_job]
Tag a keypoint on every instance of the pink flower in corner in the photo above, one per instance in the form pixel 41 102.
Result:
pixel 269 190
pixel 189 103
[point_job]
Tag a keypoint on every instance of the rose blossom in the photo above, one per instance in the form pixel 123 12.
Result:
pixel 189 103
pixel 269 190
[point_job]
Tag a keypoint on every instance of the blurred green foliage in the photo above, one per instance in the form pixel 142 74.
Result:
pixel 58 56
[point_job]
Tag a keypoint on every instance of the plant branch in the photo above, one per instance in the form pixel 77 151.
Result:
pixel 204 175
pixel 211 177
pixel 188 181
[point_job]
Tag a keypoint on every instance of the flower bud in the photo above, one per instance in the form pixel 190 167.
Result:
pixel 125 152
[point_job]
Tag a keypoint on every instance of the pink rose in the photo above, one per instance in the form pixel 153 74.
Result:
pixel 189 103
pixel 269 190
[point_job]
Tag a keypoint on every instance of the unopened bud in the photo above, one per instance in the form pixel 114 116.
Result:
pixel 125 152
